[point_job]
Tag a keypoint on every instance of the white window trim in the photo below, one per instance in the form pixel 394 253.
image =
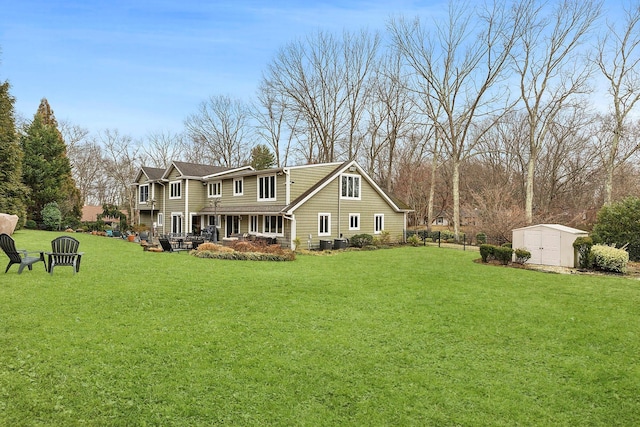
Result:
pixel 275 186
pixel 143 202
pixel 349 175
pixel 375 217
pixel 357 215
pixel 160 219
pixel 328 232
pixel 210 187
pixel 270 233
pixel 171 184
pixel 240 193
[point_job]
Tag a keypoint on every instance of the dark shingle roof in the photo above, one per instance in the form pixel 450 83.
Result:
pixel 153 174
pixel 198 170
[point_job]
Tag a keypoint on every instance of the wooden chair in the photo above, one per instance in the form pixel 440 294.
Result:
pixel 64 252
pixel 18 256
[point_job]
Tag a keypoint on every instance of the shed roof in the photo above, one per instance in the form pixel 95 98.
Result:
pixel 557 227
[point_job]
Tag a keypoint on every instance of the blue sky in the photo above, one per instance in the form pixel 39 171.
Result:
pixel 143 66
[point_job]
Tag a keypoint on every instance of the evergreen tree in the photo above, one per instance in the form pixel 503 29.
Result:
pixel 13 193
pixel 46 168
pixel 262 157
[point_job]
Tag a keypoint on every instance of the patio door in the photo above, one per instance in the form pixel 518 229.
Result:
pixel 233 225
pixel 176 223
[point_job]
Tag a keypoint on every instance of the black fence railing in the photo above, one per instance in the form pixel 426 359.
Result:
pixel 440 237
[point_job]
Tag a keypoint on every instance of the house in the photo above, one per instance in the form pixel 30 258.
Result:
pixel 91 213
pixel 304 204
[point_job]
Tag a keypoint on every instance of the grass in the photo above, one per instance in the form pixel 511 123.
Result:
pixel 409 336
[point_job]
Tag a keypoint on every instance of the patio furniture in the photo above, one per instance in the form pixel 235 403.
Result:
pixel 64 252
pixel 168 247
pixel 19 256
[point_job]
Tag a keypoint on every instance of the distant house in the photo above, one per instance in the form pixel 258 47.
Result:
pixel 90 214
pixel 305 203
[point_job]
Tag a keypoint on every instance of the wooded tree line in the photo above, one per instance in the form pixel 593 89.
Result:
pixel 492 116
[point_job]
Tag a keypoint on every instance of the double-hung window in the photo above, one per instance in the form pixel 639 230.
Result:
pixel 354 221
pixel 324 224
pixel 175 190
pixel 238 185
pixel 215 189
pixel 378 223
pixel 144 193
pixel 350 187
pixel 267 188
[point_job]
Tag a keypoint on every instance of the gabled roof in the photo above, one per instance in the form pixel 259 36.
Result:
pixel 393 202
pixel 152 174
pixel 557 227
pixel 194 170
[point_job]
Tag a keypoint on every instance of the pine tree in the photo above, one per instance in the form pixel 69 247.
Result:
pixel 262 157
pixel 46 168
pixel 13 193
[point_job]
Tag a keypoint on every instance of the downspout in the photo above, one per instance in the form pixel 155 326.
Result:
pixel 339 206
pixel 290 218
pixel 187 218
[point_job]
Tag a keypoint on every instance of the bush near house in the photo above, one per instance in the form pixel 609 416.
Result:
pixel 607 258
pixel 245 251
pixel 361 240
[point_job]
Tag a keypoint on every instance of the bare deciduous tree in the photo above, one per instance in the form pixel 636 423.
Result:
pixel 121 161
pixel 618 60
pixel 222 130
pixel 456 69
pixel 323 81
pixel 551 69
pixel 163 147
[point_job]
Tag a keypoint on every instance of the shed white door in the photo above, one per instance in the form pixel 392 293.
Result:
pixel 533 243
pixel 550 248
pixel 544 246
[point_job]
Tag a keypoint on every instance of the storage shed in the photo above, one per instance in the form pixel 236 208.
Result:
pixel 549 244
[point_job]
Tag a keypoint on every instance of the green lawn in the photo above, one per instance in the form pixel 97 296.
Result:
pixel 404 337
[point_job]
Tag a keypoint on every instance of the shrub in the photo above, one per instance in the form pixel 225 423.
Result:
pixel 618 224
pixel 447 235
pixel 607 258
pixel 31 224
pixel 506 245
pixel 51 216
pixel 583 246
pixel 481 238
pixel 413 240
pixel 522 255
pixel 361 240
pixel 503 254
pixel 486 252
pixel 384 238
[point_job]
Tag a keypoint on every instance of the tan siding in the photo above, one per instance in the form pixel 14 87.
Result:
pixel 327 201
pixel 306 177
